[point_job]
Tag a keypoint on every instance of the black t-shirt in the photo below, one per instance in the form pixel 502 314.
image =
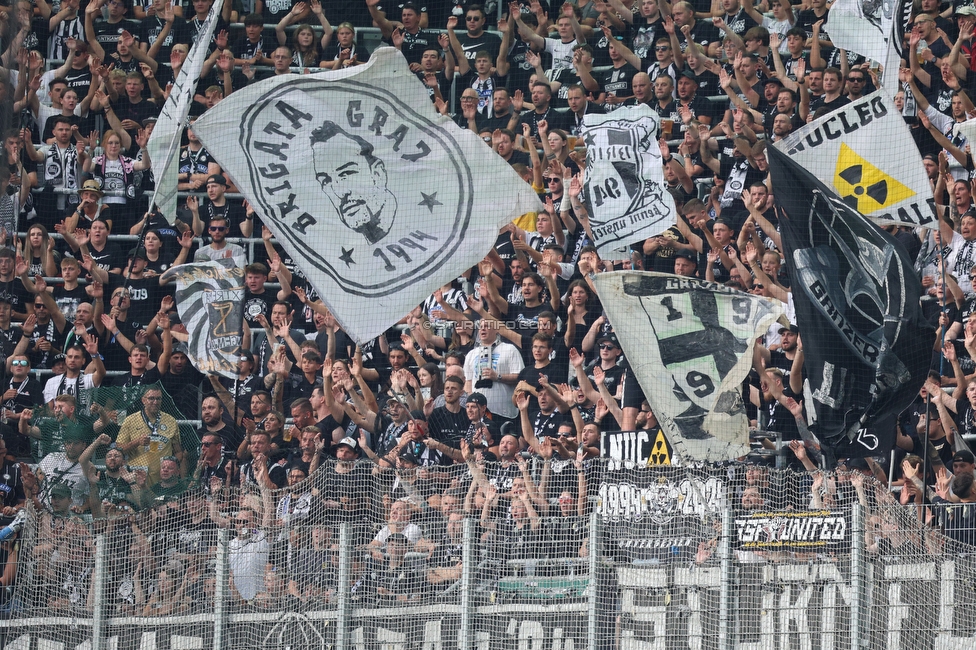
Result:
pixel 184 388
pixel 126 110
pixel 473 45
pixel 50 333
pixel 702 33
pixel 152 26
pixel 821 102
pixel 448 428
pixel 544 425
pixel 107 34
pixel 30 394
pixel 144 297
pixel 644 35
pixel 16 294
pixel 414 45
pixel 554 119
pixel 616 82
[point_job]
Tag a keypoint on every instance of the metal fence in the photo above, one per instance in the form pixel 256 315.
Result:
pixel 709 557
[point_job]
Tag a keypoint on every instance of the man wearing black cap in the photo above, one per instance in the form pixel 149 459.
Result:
pixel 698 108
pixel 216 205
pixel 482 431
pixel 685 263
pixel 610 353
pixel 177 375
pixel 64 468
pixel 386 428
pixel 345 488
pixel 785 356
pixel 963 462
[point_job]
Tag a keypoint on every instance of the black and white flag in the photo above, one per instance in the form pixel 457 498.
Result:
pixel 380 199
pixel 164 142
pixel 861 26
pixel 623 184
pixel 867 347
pixel 210 299
pixel 689 343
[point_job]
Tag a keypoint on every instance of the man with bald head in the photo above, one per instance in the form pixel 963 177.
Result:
pixel 643 90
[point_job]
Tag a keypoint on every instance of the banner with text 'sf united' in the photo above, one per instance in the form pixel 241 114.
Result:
pixel 377 197
pixel 689 343
pixel 867 347
pixel 210 301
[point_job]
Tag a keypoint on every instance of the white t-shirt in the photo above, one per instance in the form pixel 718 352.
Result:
pixel 780 27
pixel 80 387
pixel 247 559
pixel 504 359
pixel 562 53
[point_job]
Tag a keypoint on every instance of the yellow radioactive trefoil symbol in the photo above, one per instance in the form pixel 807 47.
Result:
pixel 659 453
pixel 863 186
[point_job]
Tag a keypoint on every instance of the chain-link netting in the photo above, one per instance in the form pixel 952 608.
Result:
pixel 129 443
pixel 525 554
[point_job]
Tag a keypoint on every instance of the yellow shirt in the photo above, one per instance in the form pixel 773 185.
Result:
pixel 161 437
pixel 527 221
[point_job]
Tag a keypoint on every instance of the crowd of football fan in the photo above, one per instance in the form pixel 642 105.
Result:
pixel 491 397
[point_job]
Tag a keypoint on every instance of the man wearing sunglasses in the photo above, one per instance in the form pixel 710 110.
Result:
pixel 218 248
pixel 23 391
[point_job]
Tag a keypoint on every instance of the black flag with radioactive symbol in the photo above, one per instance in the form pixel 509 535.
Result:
pixel 867 348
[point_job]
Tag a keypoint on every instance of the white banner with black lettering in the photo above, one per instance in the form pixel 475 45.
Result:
pixel 379 198
pixel 164 142
pixel 623 182
pixel 210 301
pixel 866 154
pixel 689 343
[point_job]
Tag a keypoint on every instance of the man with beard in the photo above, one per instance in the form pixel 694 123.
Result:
pixel 345 488
pixel 785 356
pixel 49 432
pixel 73 382
pixel 116 484
pixel 22 392
pixel 245 385
pixel 218 248
pixel 213 464
pixel 177 375
pixel 212 416
pixel 386 428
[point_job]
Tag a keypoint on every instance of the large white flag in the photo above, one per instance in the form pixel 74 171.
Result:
pixel 378 198
pixel 866 154
pixel 164 143
pixel 861 26
pixel 689 343
pixel 624 179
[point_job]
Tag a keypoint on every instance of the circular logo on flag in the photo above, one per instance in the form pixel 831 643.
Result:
pixel 365 188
